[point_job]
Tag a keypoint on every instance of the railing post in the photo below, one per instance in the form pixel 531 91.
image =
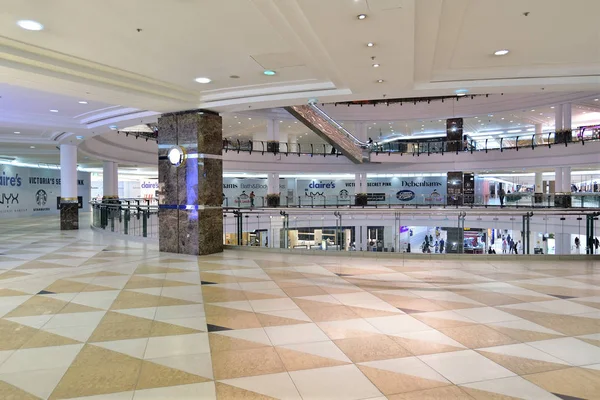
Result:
pixel 145 223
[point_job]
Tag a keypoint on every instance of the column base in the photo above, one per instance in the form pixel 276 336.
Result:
pixel 562 200
pixel 69 216
pixel 538 198
pixel 193 232
pixel 273 200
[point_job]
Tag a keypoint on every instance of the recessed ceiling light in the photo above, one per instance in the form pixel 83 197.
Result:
pixel 82 102
pixel 595 99
pixel 552 107
pixel 269 72
pixel 53 110
pixel 502 52
pixel 380 81
pixel 30 25
pixel 203 80
pixel 532 110
pixel 502 117
pixel 370 44
pixel 361 16
pixel 32 147
pixel 375 65
pixel 17 133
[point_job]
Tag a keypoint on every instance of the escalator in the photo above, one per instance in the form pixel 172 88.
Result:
pixel 332 132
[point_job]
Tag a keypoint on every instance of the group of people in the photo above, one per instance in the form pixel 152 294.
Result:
pixel 510 246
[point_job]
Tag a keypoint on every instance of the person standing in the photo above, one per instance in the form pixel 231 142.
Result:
pixel 504 246
pixel 252 196
pixel 596 244
pixel 501 195
pixel 442 245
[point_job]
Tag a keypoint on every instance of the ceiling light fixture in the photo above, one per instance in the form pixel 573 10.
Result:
pixel 595 99
pixel 375 65
pixel 82 102
pixel 361 16
pixel 30 25
pixel 502 52
pixel 55 111
pixel 32 147
pixel 370 44
pixel 269 72
pixel 380 80
pixel 203 80
pixel 17 133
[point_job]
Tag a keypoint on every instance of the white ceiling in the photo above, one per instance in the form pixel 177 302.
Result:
pixel 133 60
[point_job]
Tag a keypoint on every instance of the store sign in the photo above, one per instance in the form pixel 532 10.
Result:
pixel 396 190
pixel 241 192
pixel 26 192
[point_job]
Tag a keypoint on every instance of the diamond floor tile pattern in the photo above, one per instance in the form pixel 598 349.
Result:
pixel 88 317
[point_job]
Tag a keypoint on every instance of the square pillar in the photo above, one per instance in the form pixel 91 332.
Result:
pixel 190 177
pixel 69 205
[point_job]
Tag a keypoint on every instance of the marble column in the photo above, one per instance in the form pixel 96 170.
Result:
pixel 273 195
pixel 190 211
pixel 69 206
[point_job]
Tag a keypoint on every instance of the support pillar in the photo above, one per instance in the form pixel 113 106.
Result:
pixel 566 123
pixel 562 243
pixel 110 181
pixel 539 190
pixel 566 180
pixel 190 176
pixel 539 139
pixel 273 195
pixel 69 206
pixel 273 136
pixel 558 117
pixel 360 189
pixel 558 176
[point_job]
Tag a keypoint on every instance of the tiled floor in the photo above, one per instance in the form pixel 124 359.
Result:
pixel 89 317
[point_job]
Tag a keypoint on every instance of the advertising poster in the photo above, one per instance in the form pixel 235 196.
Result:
pixel 27 192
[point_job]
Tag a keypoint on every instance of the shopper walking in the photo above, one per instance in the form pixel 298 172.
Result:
pixel 501 195
pixel 504 246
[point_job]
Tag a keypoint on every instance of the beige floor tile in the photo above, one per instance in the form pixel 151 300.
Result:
pixel 334 313
pixel 116 326
pixel 371 348
pixel 410 303
pixel 476 336
pixel 251 362
pixel 439 323
pixel 228 392
pixel 441 393
pixel 153 375
pixel 421 347
pixel 12 274
pixel 128 299
pixel 66 286
pixel 10 292
pixel 98 371
pixel 296 360
pixel 10 392
pixel 522 335
pixel 220 343
pixel 392 382
pixel 273 320
pixel 483 395
pixel 565 324
pixel 212 294
pixel 14 335
pixel 575 382
pixel 46 339
pixel 40 305
pixel 520 365
pixel 304 291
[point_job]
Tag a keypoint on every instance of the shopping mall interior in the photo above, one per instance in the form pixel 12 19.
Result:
pixel 300 199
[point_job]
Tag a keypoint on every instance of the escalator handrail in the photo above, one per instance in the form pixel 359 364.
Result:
pixel 337 126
